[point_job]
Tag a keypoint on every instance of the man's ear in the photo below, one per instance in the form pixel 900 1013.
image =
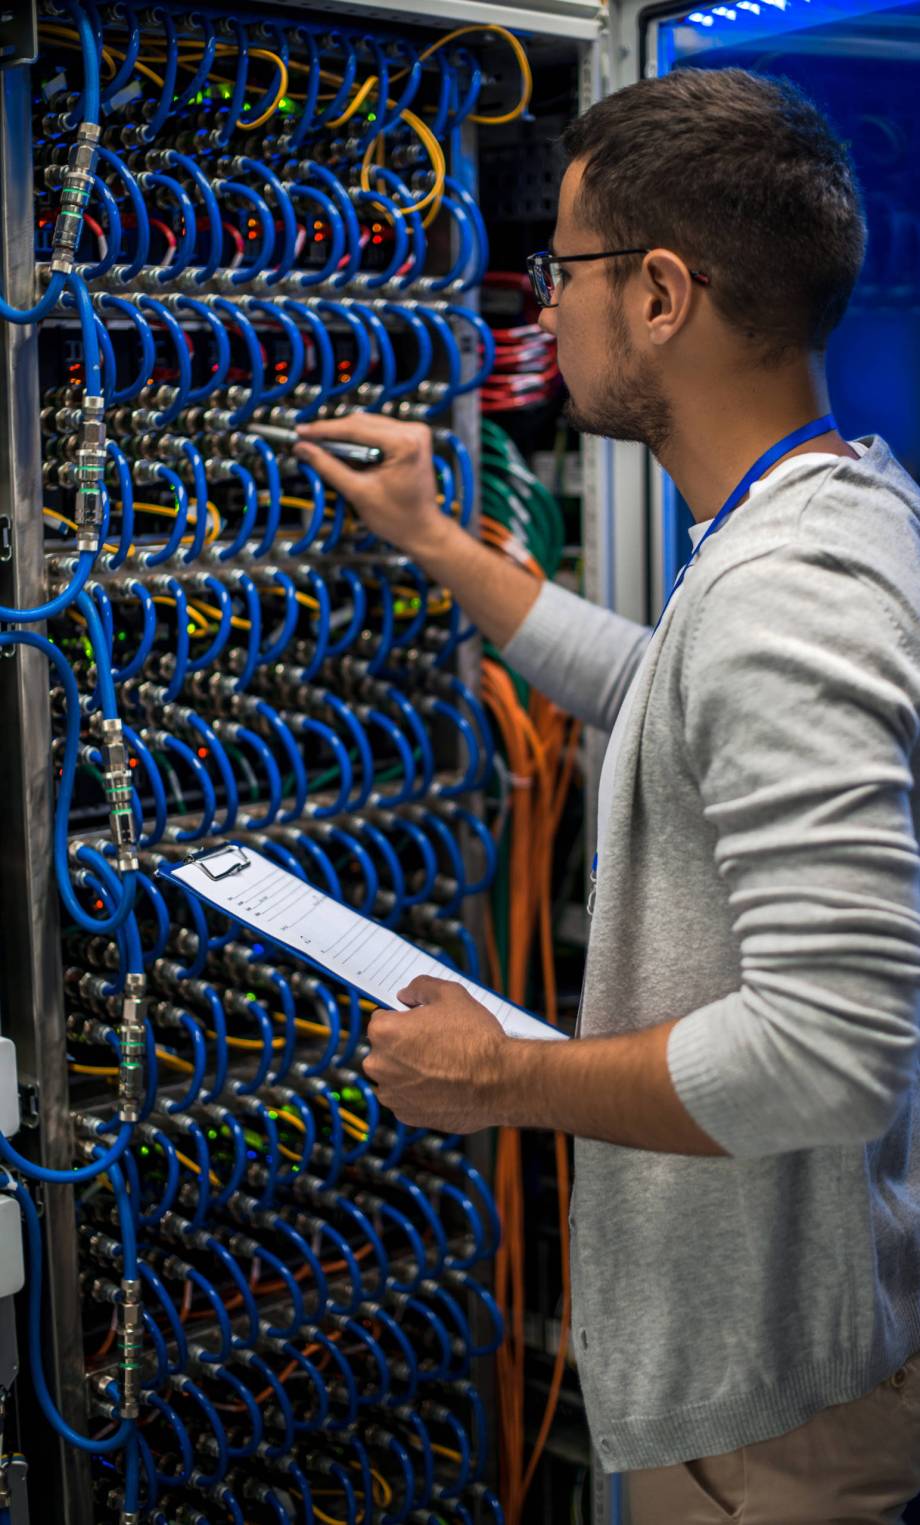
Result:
pixel 667 296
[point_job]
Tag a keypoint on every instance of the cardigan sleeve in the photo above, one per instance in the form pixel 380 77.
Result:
pixel 800 700
pixel 581 656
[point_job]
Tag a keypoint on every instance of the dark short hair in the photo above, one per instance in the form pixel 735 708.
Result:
pixel 742 176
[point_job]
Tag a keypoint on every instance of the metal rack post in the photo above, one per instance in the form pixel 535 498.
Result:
pixel 31 987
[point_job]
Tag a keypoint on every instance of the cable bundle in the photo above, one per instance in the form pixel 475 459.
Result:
pixel 539 746
pixel 236 218
pixel 525 373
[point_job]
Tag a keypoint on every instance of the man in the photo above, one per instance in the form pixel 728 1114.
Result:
pixel 746 1254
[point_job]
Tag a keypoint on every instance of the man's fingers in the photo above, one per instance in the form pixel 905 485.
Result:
pixel 380 1024
pixel 363 428
pixel 422 989
pixel 333 472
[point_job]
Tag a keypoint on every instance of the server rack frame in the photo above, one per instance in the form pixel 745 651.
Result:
pixel 31 985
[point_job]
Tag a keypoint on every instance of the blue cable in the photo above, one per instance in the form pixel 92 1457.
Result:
pixel 199 79
pixel 472 209
pixel 318 275
pixel 150 131
pixel 202 184
pixel 252 1409
pixel 88 107
pixel 162 1407
pixel 125 1428
pixel 210 738
pixel 181 749
pixel 274 650
pixel 195 462
pixel 244 530
pixel 171 1185
pixel 209 657
pixel 151 1278
pixel 126 68
pixel 185 243
pixel 238 1169
pixel 191 1390
pixel 363 354
pixel 183 360
pixel 296 360
pixel 126 273
pixel 115 453
pixel 266 176
pixel 221 366
pixel 262 210
pixel 161 915
pixel 318 728
pixel 113 234
pixel 107 302
pixel 273 480
pixel 148 633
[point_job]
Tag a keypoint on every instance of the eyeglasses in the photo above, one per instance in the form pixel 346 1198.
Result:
pixel 545 271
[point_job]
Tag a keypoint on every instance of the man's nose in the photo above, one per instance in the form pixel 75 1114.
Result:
pixel 547 320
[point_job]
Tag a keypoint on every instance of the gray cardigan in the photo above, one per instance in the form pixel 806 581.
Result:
pixel 759 878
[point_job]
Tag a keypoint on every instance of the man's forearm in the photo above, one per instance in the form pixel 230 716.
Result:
pixel 618 1090
pixel 495 594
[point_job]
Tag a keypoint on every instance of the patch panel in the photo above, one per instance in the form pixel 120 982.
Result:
pixel 248 220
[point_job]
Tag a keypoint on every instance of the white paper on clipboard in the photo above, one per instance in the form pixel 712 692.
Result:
pixel 282 908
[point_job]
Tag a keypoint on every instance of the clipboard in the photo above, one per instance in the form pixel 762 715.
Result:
pixel 310 926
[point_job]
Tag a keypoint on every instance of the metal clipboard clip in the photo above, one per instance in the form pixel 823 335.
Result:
pixel 236 862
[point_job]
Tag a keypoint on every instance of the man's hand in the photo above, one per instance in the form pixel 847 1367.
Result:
pixel 398 500
pixel 440 1065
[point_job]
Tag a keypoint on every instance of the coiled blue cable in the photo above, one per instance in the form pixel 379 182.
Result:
pixel 125 1428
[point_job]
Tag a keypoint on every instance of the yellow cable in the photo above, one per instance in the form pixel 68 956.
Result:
pixel 164 598
pixel 92 1069
pixel 236 620
pixel 438 164
pixel 173 1062
pixel 60 33
pixel 183 1159
pixel 301 1024
pixel 445 1451
pixel 356 102
pixel 522 62
pixel 246 1043
pixel 52 513
pixel 302 598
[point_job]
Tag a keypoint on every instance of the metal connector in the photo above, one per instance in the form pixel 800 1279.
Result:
pixel 90 471
pixel 75 193
pixel 131 1339
pixel 118 793
pixel 132 1038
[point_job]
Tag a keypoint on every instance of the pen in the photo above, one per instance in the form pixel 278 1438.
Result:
pixel 359 457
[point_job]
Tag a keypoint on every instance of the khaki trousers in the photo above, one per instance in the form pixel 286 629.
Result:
pixel 854 1464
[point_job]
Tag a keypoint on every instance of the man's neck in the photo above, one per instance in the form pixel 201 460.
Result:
pixel 720 430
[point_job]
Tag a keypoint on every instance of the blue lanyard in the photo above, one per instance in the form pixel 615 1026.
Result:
pixel 769 457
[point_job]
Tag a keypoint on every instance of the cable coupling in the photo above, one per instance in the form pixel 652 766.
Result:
pixel 133 1039
pixel 118 793
pixel 75 193
pixel 131 1340
pixel 90 472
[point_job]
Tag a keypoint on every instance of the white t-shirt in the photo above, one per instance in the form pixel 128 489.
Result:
pixel 697 531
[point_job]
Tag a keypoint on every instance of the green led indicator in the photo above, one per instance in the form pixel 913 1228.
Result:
pixel 372 116
pixel 286 105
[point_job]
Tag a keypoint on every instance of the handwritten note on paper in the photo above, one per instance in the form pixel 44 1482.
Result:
pixel 285 910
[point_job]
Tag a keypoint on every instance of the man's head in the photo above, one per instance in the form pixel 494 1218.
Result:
pixel 722 172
